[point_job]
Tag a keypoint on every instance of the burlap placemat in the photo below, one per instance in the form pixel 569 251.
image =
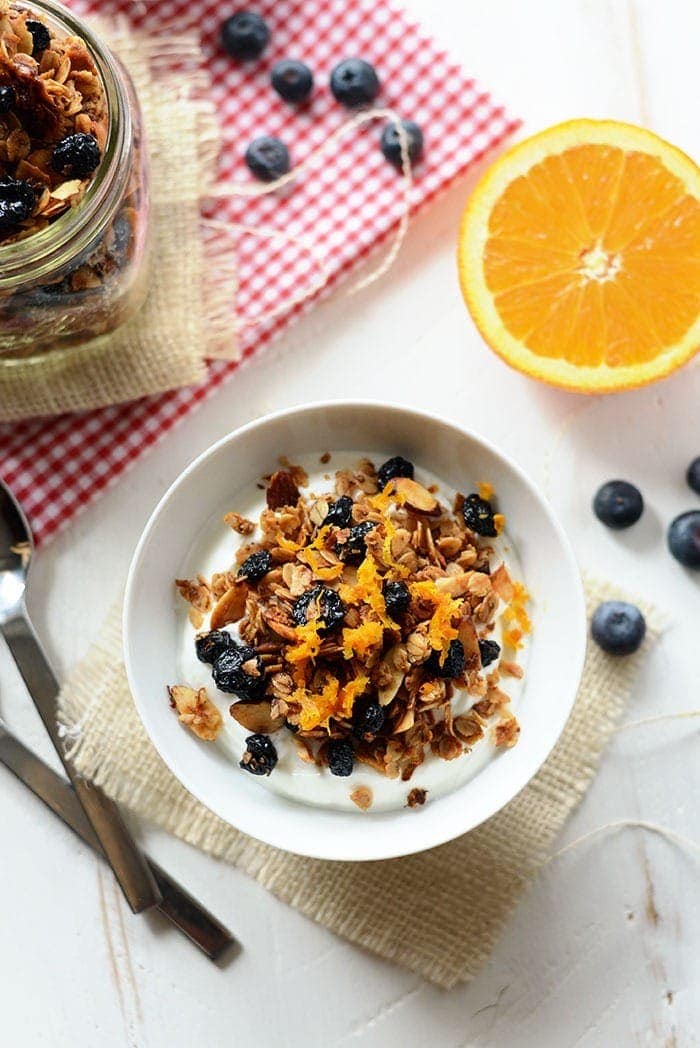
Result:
pixel 446 932
pixel 163 346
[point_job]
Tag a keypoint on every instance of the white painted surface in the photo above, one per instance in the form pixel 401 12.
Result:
pixel 605 948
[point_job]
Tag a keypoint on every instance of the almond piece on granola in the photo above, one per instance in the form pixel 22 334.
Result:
pixel 282 490
pixel 415 496
pixel 230 607
pixel 255 716
pixel 196 710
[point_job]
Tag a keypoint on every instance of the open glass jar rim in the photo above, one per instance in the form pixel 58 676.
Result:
pixel 41 253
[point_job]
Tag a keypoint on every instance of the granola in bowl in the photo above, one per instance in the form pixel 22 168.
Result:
pixel 356 638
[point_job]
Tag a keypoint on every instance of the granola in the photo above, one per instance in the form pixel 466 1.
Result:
pixel 358 627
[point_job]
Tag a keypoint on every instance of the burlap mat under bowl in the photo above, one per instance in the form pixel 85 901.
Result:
pixel 162 347
pixel 447 933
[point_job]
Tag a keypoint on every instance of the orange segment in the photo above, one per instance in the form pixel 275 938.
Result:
pixel 579 256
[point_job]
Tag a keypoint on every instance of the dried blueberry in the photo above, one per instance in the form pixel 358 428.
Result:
pixel 76 156
pixel 41 37
pixel 353 550
pixel 368 720
pixel 339 512
pixel 210 645
pixel 451 664
pixel 617 627
pixel 489 651
pixel 322 603
pixel 267 158
pixel 394 467
pixel 478 515
pixel 260 755
pixel 693 475
pixel 293 81
pixel 396 597
pixel 244 35
pixel 684 539
pixel 239 671
pixel 354 82
pixel 390 142
pixel 17 202
pixel 256 566
pixel 618 504
pixel 7 99
pixel 341 758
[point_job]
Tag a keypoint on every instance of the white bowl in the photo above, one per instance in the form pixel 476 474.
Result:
pixel 460 459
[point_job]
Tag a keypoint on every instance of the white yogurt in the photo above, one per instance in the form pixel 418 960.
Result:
pixel 215 551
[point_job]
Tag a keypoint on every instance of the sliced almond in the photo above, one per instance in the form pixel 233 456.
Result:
pixel 362 797
pixel 415 495
pixel 503 584
pixel 230 607
pixel 196 710
pixel 454 585
pixel 406 722
pixel 390 663
pixel 255 716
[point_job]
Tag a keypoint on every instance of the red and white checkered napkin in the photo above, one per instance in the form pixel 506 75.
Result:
pixel 345 206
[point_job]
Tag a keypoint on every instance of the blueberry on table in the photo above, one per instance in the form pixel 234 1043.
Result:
pixel 41 38
pixel 7 99
pixel 618 504
pixel 319 602
pixel 292 80
pixel 341 758
pixel 396 597
pixel 489 651
pixel 210 645
pixel 260 756
pixel 394 467
pixel 693 475
pixel 76 156
pixel 353 550
pixel 339 512
pixel 354 82
pixel 684 539
pixel 617 627
pixel 390 142
pixel 239 671
pixel 368 720
pixel 478 516
pixel 267 158
pixel 256 566
pixel 453 663
pixel 244 35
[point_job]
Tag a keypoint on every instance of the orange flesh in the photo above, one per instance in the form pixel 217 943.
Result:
pixel 592 257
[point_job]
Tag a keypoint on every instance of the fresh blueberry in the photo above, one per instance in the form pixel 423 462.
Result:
pixel 7 99
pixel 256 566
pixel 76 156
pixel 368 720
pixel 396 597
pixel 17 202
pixel 390 142
pixel 354 82
pixel 239 671
pixel 478 516
pixel 353 550
pixel 684 539
pixel 267 158
pixel 244 35
pixel 293 81
pixel 260 756
pixel 618 504
pixel 489 651
pixel 617 627
pixel 210 645
pixel 450 664
pixel 341 758
pixel 322 603
pixel 394 467
pixel 693 475
pixel 41 38
pixel 339 512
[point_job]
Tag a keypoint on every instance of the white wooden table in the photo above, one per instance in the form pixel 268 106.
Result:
pixel 605 949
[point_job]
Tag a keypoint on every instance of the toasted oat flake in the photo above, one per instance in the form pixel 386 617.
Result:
pixel 362 797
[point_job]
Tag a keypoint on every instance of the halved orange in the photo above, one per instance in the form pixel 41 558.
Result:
pixel 579 256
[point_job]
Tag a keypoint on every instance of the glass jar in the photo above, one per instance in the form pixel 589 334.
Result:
pixel 73 282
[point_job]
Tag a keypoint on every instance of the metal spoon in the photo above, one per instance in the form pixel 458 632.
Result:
pixel 122 854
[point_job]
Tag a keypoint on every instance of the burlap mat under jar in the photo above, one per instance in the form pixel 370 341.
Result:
pixel 163 346
pixel 446 932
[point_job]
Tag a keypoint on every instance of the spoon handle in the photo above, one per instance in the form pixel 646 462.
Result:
pixel 129 865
